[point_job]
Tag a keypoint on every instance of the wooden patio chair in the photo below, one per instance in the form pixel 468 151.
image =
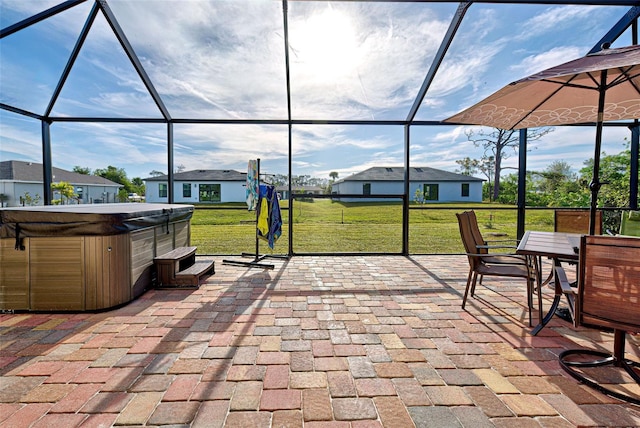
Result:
pixel 608 297
pixel 482 263
pixel 575 221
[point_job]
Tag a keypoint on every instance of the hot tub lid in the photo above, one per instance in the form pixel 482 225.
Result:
pixel 88 219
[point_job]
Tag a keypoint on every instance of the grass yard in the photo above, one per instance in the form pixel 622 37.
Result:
pixel 325 226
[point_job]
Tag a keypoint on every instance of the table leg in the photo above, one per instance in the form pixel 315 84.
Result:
pixel 547 318
pixel 556 300
pixel 536 261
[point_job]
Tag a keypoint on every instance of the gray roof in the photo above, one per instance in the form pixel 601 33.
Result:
pixel 396 173
pixel 32 172
pixel 204 175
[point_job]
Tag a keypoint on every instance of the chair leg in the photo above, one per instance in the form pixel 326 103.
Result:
pixel 540 311
pixel 531 284
pixel 473 284
pixel 466 290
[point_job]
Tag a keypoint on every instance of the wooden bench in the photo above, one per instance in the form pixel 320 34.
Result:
pixel 179 268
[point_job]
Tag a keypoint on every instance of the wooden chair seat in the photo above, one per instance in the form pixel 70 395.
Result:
pixel 519 270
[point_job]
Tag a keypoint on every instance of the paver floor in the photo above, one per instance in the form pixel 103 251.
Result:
pixel 317 342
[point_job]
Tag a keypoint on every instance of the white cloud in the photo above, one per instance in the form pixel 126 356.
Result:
pixel 556 56
pixel 20 138
pixel 555 18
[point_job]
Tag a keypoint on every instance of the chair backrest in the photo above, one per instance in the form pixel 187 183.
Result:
pixel 630 223
pixel 469 242
pixel 609 283
pixel 475 231
pixel 575 221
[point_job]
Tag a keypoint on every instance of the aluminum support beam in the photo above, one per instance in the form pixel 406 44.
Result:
pixel 620 27
pixel 285 26
pixel 72 58
pixel 47 165
pixel 39 17
pixel 170 192
pixel 405 202
pixel 522 183
pixel 435 64
pixel 20 111
pixel 124 42
pixel 523 2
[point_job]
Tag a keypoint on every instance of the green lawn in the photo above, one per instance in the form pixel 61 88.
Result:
pixel 325 226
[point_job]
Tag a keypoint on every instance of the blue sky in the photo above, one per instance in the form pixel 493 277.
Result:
pixel 225 60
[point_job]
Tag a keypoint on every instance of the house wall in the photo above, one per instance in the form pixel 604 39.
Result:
pixel 97 194
pixel 447 191
pixel 230 191
pixel 90 193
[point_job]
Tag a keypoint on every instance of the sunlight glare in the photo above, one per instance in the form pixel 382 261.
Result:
pixel 326 45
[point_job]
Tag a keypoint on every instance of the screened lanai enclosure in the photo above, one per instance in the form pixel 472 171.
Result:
pixel 320 91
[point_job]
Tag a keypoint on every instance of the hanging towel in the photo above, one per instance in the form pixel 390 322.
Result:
pixel 263 217
pixel 275 219
pixel 252 184
pixel 272 229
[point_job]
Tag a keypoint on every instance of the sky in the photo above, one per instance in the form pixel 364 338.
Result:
pixel 226 60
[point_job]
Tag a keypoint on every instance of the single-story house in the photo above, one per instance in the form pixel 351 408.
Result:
pixel 21 184
pixel 283 191
pixel 425 185
pixel 199 186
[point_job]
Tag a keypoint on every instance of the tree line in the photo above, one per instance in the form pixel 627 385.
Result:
pixel 117 175
pixel 558 186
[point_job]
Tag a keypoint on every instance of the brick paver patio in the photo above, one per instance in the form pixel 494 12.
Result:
pixel 316 342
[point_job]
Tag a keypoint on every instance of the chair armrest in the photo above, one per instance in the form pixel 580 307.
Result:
pixel 568 291
pixel 505 255
pixel 503 240
pixel 489 247
pixel 565 285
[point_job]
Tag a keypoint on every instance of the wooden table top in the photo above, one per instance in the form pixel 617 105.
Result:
pixel 550 244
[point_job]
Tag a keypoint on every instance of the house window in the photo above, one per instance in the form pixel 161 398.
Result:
pixel 162 190
pixel 430 192
pixel 186 190
pixel 209 193
pixel 465 190
pixel 366 189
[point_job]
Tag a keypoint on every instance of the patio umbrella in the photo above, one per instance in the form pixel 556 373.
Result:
pixel 602 86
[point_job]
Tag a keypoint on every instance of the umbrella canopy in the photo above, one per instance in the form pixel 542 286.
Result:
pixel 603 86
pixel 565 94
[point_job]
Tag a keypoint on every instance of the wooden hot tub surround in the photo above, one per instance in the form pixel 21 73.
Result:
pixel 84 257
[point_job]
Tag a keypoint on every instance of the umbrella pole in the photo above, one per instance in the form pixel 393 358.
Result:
pixel 595 182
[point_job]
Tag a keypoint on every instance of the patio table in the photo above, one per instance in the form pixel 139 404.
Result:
pixel 557 246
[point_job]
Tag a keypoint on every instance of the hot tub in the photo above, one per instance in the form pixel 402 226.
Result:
pixel 84 257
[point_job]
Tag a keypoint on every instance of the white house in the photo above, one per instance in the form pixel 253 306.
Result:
pixel 21 181
pixel 199 186
pixel 432 185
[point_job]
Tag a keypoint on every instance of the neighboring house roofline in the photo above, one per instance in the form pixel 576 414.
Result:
pixel 32 172
pixel 203 175
pixel 416 174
